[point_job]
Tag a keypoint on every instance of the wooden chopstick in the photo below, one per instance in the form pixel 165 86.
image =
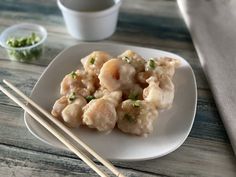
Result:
pixel 58 134
pixel 66 130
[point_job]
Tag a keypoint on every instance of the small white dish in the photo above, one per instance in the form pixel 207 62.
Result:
pixel 26 53
pixel 172 126
pixel 90 20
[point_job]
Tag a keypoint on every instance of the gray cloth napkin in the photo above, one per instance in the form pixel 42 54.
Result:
pixel 212 24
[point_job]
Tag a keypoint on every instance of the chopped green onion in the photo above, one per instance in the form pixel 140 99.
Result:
pixel 27 54
pixel 133 96
pixel 90 97
pixel 73 74
pixel 152 64
pixel 136 104
pixel 33 36
pixel 23 41
pixel 127 59
pixel 92 61
pixel 129 118
pixel 72 97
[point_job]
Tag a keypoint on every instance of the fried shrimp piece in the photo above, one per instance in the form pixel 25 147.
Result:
pixel 162 66
pixel 58 106
pixel 100 114
pixel 134 59
pixel 72 113
pixel 100 92
pixel 160 92
pixel 116 74
pixel 135 93
pixel 136 117
pixel 142 77
pixel 80 82
pixel 156 68
pixel 114 97
pixel 94 61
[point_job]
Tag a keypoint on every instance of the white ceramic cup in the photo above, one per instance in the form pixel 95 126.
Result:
pixel 90 20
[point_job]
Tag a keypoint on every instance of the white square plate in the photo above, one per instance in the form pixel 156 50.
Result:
pixel 171 128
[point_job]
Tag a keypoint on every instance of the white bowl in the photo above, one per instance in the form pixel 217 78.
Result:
pixel 90 20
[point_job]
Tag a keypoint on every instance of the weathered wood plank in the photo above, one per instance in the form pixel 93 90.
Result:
pixel 160 35
pixel 21 163
pixel 196 157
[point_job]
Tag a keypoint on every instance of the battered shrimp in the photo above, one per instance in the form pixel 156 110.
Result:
pixel 136 117
pixel 58 106
pixel 100 92
pixel 116 74
pixel 142 78
pixel 100 114
pixel 114 97
pixel 134 59
pixel 72 113
pixel 162 66
pixel 80 82
pixel 160 92
pixel 94 61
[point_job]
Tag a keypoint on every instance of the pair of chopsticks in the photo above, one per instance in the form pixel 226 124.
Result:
pixel 59 135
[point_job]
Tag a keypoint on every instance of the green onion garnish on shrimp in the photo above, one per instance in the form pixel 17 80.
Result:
pixel 90 97
pixel 92 61
pixel 129 118
pixel 133 96
pixel 136 104
pixel 127 59
pixel 73 74
pixel 152 63
pixel 72 97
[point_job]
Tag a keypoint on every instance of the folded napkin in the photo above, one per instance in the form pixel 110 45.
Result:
pixel 212 24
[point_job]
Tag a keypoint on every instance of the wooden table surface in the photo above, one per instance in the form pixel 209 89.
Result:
pixel 149 23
